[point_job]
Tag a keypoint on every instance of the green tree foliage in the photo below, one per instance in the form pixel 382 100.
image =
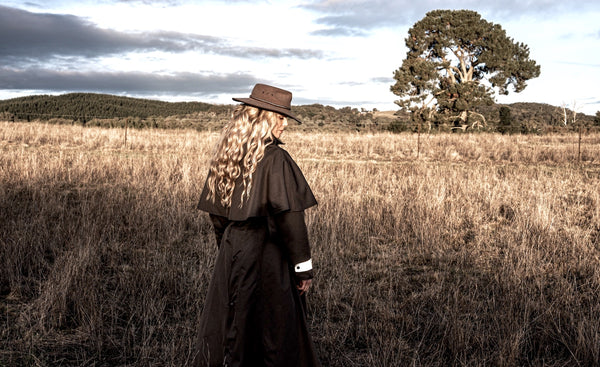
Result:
pixel 456 60
pixel 505 125
pixel 84 106
pixel 597 119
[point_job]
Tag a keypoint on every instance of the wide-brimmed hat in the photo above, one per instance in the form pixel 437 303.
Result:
pixel 270 98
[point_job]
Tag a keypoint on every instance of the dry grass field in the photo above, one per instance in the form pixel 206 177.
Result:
pixel 482 251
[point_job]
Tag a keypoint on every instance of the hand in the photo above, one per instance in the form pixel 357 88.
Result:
pixel 304 285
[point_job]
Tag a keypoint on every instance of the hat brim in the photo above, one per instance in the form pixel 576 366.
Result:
pixel 266 106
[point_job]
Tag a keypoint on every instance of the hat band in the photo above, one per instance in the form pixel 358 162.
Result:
pixel 271 103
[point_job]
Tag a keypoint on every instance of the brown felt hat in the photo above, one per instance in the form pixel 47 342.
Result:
pixel 270 98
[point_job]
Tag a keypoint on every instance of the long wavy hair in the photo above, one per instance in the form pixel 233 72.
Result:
pixel 241 146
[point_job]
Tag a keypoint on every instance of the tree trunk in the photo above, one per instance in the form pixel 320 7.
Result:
pixel 475 123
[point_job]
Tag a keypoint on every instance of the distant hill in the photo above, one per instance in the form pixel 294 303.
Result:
pixel 76 106
pixel 530 115
pixel 110 110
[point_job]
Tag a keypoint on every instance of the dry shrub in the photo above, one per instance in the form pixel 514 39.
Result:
pixel 483 251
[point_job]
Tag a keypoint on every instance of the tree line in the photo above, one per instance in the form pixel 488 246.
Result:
pixel 105 110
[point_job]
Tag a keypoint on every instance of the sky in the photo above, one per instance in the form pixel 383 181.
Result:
pixel 333 52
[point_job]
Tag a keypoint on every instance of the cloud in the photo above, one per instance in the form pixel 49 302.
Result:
pixel 150 2
pixel 383 79
pixel 31 4
pixel 31 37
pixel 354 17
pixel 370 14
pixel 131 83
pixel 352 83
pixel 340 31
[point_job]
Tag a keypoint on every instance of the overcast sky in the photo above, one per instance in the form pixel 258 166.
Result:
pixel 333 52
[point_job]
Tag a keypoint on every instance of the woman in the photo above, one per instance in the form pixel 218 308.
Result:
pixel 254 313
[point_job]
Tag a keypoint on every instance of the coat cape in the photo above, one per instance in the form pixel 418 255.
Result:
pixel 277 185
pixel 253 314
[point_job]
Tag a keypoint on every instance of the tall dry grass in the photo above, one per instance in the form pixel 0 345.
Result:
pixel 482 251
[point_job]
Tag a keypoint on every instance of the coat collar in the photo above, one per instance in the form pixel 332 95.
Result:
pixel 274 141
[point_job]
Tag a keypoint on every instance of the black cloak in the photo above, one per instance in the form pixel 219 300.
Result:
pixel 253 314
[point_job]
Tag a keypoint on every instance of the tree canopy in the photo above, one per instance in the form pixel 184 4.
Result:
pixel 456 61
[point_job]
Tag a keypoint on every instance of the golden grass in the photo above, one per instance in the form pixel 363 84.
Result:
pixel 484 250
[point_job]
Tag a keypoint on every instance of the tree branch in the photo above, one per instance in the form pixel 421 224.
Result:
pixel 449 69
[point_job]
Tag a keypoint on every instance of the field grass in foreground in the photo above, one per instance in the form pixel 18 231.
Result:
pixel 482 251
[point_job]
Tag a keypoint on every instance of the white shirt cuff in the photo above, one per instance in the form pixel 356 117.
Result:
pixel 303 266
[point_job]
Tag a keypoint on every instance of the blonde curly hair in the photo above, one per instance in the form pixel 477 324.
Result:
pixel 241 146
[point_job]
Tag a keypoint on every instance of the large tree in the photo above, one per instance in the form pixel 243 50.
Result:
pixel 457 61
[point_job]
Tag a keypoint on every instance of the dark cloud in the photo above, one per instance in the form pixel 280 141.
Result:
pixel 369 14
pixel 30 37
pixel 37 35
pixel 131 83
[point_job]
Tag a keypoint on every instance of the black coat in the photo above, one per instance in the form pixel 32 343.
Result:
pixel 253 314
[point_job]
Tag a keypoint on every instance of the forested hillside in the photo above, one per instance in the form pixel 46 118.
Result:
pixel 110 111
pixel 78 106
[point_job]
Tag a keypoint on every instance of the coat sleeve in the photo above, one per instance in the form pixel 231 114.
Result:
pixel 294 236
